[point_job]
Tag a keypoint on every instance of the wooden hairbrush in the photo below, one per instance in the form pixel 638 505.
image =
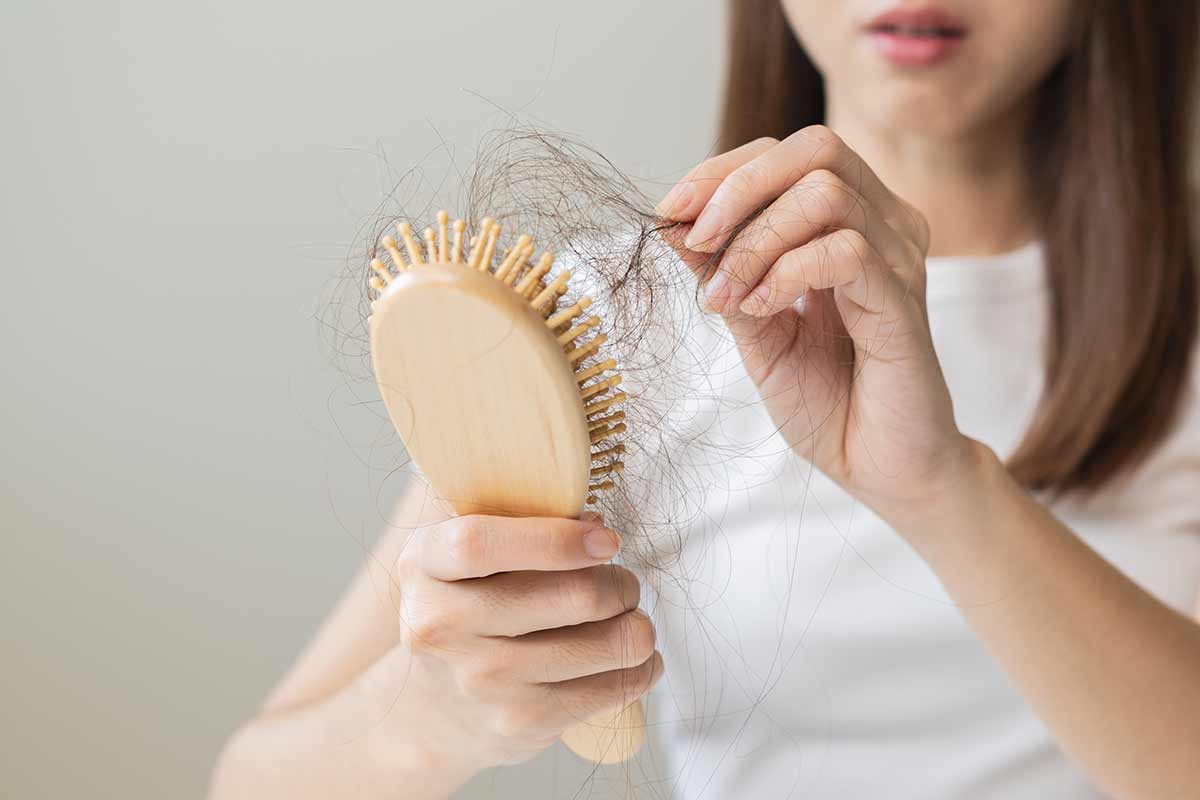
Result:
pixel 501 403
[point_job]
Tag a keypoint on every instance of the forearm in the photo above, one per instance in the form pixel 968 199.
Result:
pixel 1112 671
pixel 335 748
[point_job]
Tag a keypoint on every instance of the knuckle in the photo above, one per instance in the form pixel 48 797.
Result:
pixel 910 286
pixel 424 624
pixel 918 224
pixel 624 686
pixel 757 147
pixel 481 677
pixel 915 260
pixel 642 675
pixel 406 563
pixel 519 720
pixel 630 587
pixel 425 632
pixel 744 181
pixel 585 594
pixel 466 541
pixel 825 178
pixel 637 637
pixel 820 135
pixel 836 198
pixel 853 244
pixel 695 171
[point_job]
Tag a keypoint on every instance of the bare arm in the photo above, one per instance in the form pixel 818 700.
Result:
pixel 362 626
pixel 303 738
pixel 1112 671
pixel 469 643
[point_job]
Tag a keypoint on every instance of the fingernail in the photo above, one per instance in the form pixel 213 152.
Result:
pixel 717 291
pixel 756 302
pixel 676 202
pixel 601 543
pixel 704 233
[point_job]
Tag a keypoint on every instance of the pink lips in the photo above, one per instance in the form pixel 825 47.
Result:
pixel 916 37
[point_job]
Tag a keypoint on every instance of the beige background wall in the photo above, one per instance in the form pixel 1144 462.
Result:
pixel 183 489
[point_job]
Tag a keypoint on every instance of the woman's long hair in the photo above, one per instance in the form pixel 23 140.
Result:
pixel 1109 154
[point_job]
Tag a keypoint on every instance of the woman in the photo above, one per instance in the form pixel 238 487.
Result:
pixel 994 211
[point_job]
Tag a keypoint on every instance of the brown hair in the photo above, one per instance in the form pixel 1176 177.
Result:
pixel 1109 150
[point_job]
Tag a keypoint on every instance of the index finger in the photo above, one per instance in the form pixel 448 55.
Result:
pixel 478 545
pixel 760 181
pixel 688 197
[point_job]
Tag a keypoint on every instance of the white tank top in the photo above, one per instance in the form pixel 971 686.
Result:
pixel 810 653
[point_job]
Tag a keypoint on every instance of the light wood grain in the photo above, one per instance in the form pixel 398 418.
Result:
pixel 480 392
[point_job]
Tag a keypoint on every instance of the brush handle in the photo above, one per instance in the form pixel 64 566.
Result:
pixel 611 737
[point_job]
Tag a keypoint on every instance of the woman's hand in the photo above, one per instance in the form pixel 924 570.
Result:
pixel 820 277
pixel 511 631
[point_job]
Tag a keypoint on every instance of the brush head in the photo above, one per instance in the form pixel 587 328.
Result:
pixel 502 399
pixel 480 392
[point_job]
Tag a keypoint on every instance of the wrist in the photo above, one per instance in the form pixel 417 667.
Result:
pixel 956 494
pixel 414 765
pixel 409 748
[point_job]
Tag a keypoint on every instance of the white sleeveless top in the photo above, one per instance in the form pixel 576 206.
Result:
pixel 810 653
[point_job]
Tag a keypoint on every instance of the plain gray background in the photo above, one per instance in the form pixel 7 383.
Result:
pixel 187 480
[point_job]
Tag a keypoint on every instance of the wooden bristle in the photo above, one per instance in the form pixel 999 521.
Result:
pixel 591 372
pixel 518 266
pixel 513 260
pixel 603 405
pixel 580 329
pixel 616 416
pixel 443 219
pixel 608 452
pixel 556 287
pixel 456 251
pixel 607 469
pixel 599 387
pixel 489 247
pixel 410 244
pixel 506 260
pixel 389 244
pixel 569 313
pixel 604 433
pixel 603 486
pixel 527 288
pixel 431 254
pixel 381 270
pixel 478 242
pixel 577 354
pixel 377 284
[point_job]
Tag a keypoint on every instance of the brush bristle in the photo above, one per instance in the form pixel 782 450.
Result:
pixel 531 281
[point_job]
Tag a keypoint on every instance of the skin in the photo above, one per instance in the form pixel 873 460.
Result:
pixel 509 630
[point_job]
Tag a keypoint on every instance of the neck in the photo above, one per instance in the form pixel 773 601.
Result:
pixel 973 187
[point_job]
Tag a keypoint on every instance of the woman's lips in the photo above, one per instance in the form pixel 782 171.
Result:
pixel 916 37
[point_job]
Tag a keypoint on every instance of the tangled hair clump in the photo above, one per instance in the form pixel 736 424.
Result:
pixel 599 223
